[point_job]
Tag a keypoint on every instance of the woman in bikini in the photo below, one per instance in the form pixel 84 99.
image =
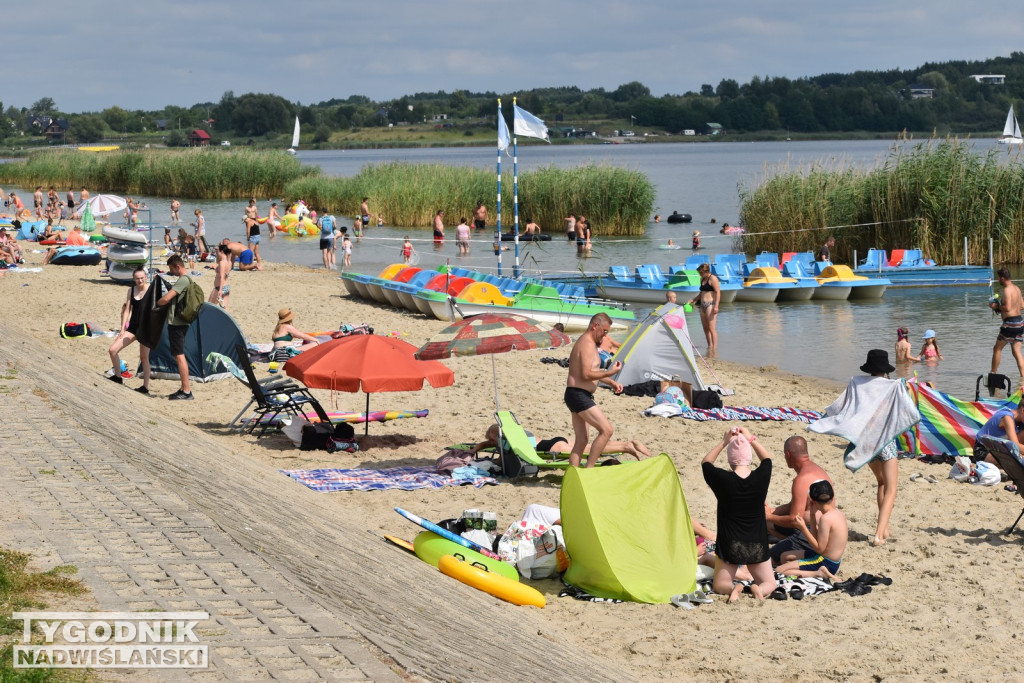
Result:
pixel 284 333
pixel 708 298
pixel 131 318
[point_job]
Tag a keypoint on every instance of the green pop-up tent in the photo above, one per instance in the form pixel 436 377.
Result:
pixel 628 531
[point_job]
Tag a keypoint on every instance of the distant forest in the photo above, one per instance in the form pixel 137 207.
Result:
pixel 943 97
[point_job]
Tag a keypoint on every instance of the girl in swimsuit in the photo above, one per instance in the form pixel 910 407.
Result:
pixel 903 354
pixel 284 333
pixel 708 299
pixel 930 348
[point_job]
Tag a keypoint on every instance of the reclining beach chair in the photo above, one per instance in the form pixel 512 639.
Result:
pixel 519 457
pixel 267 395
pixel 1008 456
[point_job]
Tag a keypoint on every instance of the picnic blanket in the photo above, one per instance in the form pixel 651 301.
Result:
pixel 743 413
pixel 405 478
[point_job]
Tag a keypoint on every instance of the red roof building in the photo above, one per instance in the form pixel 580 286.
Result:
pixel 198 138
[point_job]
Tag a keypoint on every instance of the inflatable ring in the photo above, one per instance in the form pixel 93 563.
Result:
pixel 24 215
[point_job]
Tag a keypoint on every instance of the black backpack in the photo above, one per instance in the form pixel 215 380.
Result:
pixel 706 400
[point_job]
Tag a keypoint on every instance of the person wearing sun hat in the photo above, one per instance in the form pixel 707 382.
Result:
pixel 696 240
pixel 871 413
pixel 930 346
pixel 284 334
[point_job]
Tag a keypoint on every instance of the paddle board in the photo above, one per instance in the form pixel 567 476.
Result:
pixel 444 533
pixel 489 582
pixel 431 548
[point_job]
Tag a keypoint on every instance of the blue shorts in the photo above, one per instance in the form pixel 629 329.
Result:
pixel 246 257
pixel 813 560
pixel 254 239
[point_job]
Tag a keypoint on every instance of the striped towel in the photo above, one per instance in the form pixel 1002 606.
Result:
pixel 752 413
pixel 405 478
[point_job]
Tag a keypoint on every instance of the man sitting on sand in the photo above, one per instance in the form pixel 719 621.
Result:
pixel 246 259
pixel 559 444
pixel 787 521
pixel 827 537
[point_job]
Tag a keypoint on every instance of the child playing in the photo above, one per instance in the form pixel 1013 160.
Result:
pixel 346 246
pixel 191 251
pixel 357 227
pixel 903 346
pixel 380 220
pixel 828 537
pixel 930 348
pixel 407 249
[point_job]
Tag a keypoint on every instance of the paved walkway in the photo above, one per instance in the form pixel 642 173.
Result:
pixel 160 516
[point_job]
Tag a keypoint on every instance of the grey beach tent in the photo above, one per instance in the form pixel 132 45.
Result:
pixel 659 348
pixel 212 330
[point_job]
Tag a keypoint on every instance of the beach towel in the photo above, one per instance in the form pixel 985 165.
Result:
pixel 405 478
pixel 742 413
pixel 949 426
pixel 870 413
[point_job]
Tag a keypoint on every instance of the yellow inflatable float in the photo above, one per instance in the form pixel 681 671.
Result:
pixel 293 225
pixel 490 582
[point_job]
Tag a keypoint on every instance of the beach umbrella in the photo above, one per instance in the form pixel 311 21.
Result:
pixel 491 333
pixel 106 204
pixel 367 363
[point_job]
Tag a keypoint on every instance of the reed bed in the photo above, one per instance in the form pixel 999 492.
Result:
pixel 196 173
pixel 617 201
pixel 929 195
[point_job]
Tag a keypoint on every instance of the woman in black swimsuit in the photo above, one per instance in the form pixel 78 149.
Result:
pixel 708 298
pixel 131 316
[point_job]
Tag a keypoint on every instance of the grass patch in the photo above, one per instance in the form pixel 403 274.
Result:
pixel 20 590
pixel 196 173
pixel 929 195
pixel 617 201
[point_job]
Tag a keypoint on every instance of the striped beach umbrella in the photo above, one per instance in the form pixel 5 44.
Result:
pixel 491 333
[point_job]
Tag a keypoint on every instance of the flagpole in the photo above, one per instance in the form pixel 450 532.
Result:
pixel 497 234
pixel 515 190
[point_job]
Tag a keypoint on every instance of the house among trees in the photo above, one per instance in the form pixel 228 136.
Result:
pixel 161 124
pixel 198 138
pixel 713 129
pixel 57 129
pixel 917 91
pixel 990 79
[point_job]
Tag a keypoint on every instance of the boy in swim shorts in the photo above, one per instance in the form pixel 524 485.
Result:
pixel 827 538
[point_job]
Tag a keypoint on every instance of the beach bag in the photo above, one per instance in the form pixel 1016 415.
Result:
pixel 706 400
pixel 315 436
pixel 191 301
pixel 74 330
pixel 537 550
pixel 979 473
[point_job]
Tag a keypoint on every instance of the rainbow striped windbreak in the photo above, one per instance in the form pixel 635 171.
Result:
pixel 948 425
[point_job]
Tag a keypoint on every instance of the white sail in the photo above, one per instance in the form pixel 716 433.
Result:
pixel 295 135
pixel 1011 130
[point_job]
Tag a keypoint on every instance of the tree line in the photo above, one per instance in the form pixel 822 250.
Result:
pixel 942 97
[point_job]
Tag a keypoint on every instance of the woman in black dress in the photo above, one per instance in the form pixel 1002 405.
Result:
pixel 742 531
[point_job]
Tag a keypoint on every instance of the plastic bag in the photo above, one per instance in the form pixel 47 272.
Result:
pixel 537 550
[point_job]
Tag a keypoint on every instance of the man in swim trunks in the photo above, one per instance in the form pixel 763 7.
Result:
pixel 480 216
pixel 827 535
pixel 784 521
pixel 584 374
pixel 221 289
pixel 175 216
pixel 245 257
pixel 37 198
pixel 1012 330
pixel 364 211
pixel 439 228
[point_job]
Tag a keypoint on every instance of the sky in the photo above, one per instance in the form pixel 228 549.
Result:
pixel 89 55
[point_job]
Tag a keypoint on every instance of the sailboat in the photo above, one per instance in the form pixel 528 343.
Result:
pixel 295 138
pixel 1011 131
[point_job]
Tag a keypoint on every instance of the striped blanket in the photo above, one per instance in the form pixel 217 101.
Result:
pixel 948 425
pixel 405 478
pixel 751 413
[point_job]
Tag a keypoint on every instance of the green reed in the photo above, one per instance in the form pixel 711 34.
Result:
pixel 617 201
pixel 198 173
pixel 929 195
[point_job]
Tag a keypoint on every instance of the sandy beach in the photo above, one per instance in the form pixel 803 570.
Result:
pixel 950 612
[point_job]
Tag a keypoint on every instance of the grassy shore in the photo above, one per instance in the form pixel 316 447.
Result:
pixel 930 195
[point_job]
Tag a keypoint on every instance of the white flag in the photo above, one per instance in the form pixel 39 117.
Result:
pixel 503 137
pixel 528 125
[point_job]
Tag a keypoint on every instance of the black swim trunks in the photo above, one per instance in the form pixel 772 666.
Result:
pixel 1012 330
pixel 479 223
pixel 578 400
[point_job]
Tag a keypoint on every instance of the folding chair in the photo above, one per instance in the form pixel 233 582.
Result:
pixel 1008 456
pixel 269 404
pixel 518 455
pixel 993 381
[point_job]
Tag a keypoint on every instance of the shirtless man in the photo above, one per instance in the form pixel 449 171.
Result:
pixel 584 374
pixel 175 205
pixel 570 227
pixel 827 535
pixel 221 289
pixel 531 228
pixel 273 219
pixel 83 198
pixel 480 216
pixel 70 200
pixel 242 254
pixel 1012 330
pixel 364 211
pixel 439 228
pixel 37 198
pixel 782 521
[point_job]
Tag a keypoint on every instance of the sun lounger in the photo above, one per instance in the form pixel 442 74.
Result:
pixel 520 452
pixel 1008 456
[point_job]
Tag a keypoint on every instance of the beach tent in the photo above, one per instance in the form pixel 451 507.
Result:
pixel 659 348
pixel 949 425
pixel 628 531
pixel 214 330
pixel 30 230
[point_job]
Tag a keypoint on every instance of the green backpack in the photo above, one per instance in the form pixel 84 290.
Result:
pixel 191 301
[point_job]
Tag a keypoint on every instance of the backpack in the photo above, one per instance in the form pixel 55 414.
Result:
pixel 191 301
pixel 73 330
pixel 706 400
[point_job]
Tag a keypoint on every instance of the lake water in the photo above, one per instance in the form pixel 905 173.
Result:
pixel 823 339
